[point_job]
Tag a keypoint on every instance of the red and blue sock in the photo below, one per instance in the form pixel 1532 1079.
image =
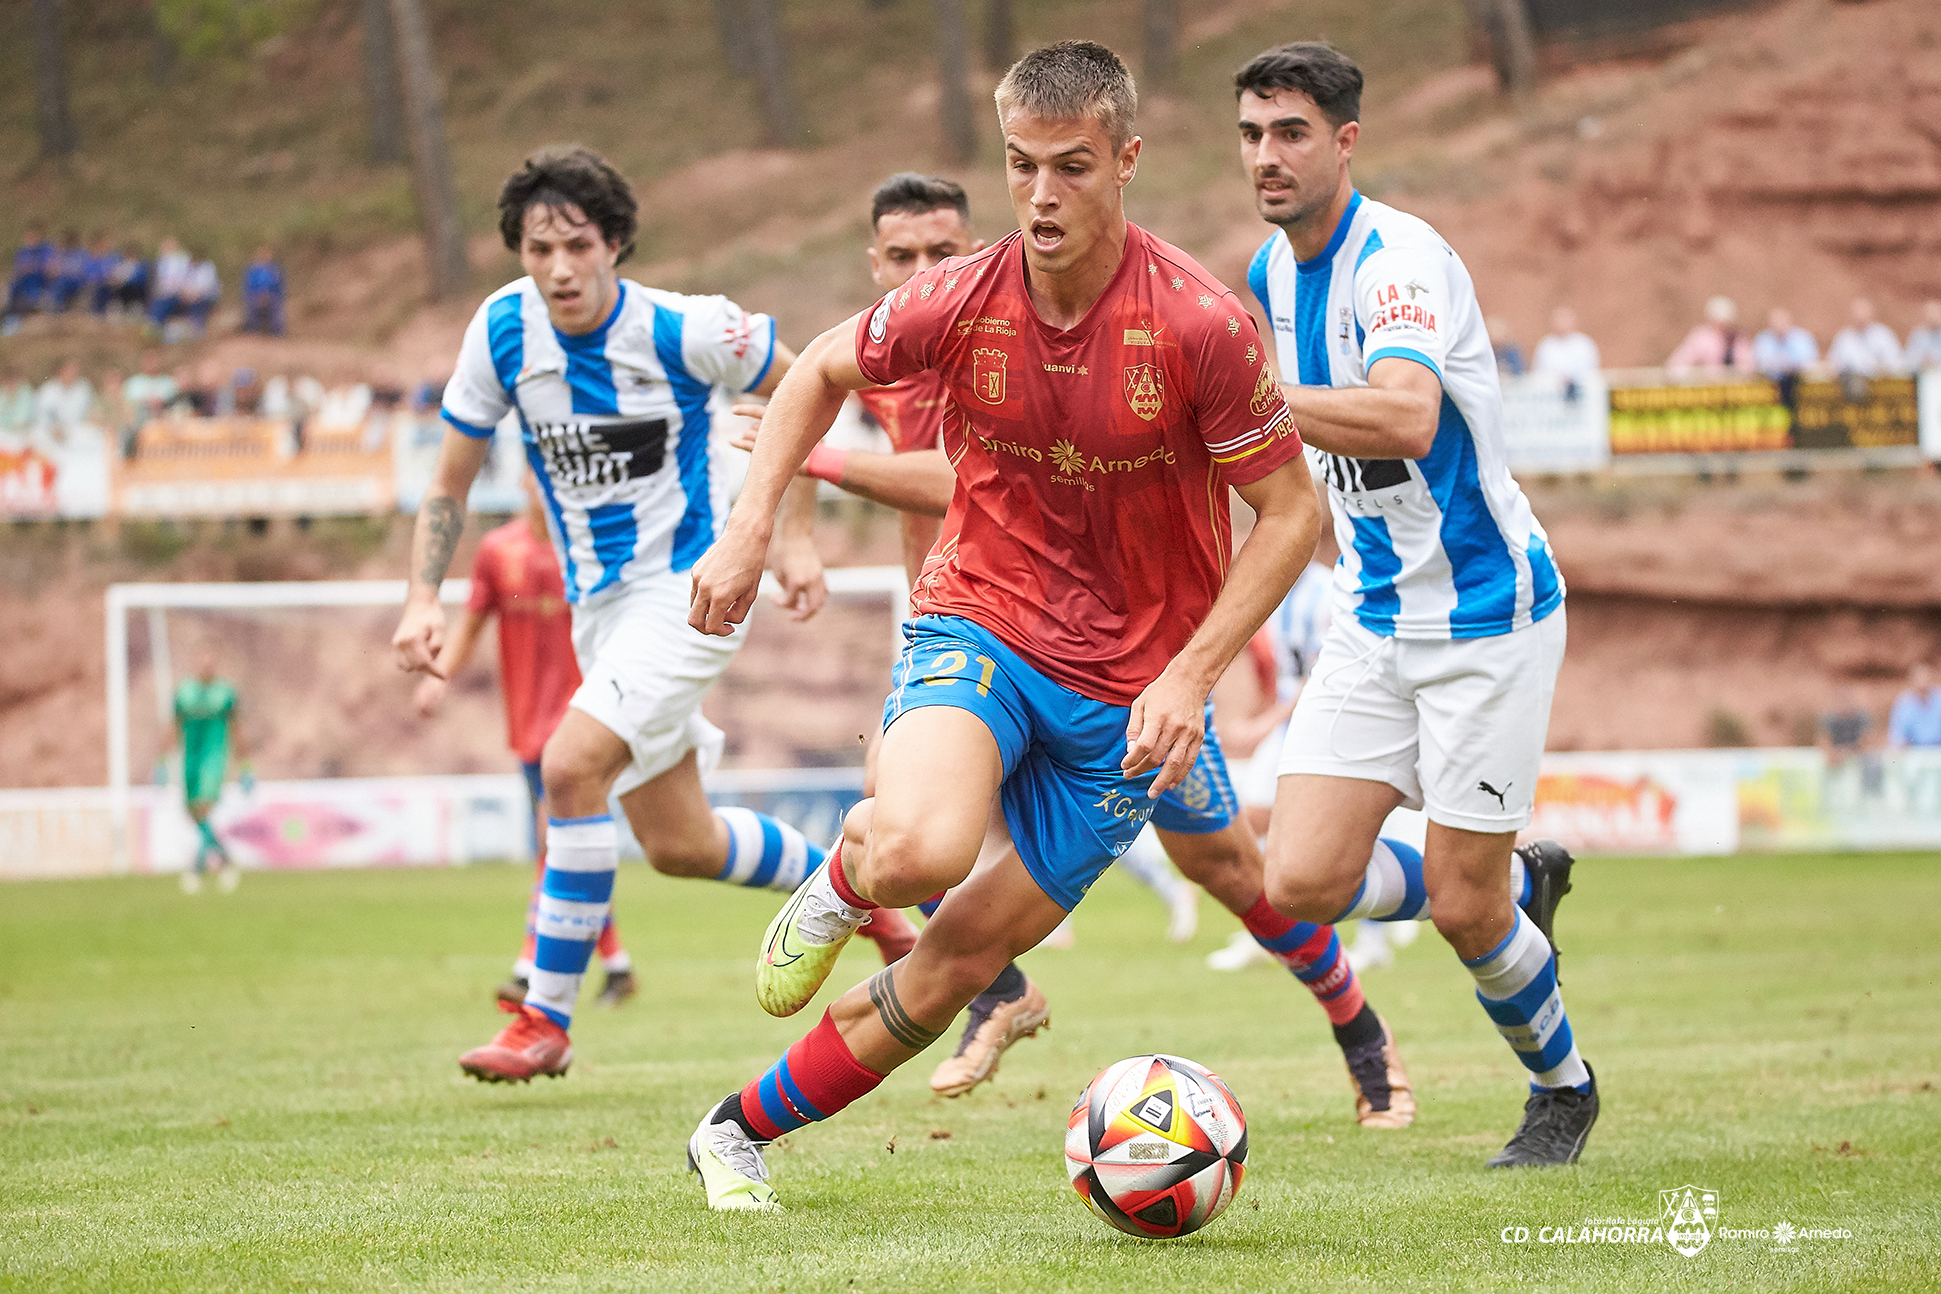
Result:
pixel 813 1080
pixel 1314 954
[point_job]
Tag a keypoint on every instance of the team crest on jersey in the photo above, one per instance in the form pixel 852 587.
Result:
pixel 1263 400
pixel 1145 388
pixel 880 321
pixel 987 375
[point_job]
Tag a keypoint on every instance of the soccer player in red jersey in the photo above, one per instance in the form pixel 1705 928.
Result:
pixel 515 576
pixel 1105 392
pixel 921 220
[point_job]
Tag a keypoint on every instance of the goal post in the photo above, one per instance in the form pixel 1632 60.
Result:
pixel 158 599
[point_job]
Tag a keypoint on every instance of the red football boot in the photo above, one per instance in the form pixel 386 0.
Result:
pixel 530 1045
pixel 894 933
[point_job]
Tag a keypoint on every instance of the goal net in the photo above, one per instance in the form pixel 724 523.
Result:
pixel 353 775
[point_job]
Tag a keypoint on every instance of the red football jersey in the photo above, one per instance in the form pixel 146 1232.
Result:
pixel 516 575
pixel 911 414
pixel 1090 530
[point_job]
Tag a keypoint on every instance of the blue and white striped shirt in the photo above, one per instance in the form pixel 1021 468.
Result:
pixel 1439 547
pixel 615 421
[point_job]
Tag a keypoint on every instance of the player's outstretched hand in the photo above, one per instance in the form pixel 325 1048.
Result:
pixel 425 700
pixel 1164 731
pixel 420 637
pixel 726 580
pixel 744 434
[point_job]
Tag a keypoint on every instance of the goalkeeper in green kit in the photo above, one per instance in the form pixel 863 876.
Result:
pixel 206 729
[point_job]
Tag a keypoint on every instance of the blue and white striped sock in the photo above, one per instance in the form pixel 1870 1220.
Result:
pixel 764 853
pixel 1392 890
pixel 582 855
pixel 1516 982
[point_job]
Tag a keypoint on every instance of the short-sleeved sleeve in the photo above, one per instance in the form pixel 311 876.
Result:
pixel 724 345
pixel 1243 417
pixel 899 337
pixel 484 598
pixel 476 398
pixel 1402 299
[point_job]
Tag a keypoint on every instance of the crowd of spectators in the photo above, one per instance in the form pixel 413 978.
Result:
pixel 67 404
pixel 171 294
pixel 1783 351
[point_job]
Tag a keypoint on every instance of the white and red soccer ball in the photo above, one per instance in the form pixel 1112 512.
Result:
pixel 1157 1146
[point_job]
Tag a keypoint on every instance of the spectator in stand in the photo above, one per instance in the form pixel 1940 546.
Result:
pixel 1509 355
pixel 112 406
pixel 1715 344
pixel 67 273
pixel 64 404
pixel 1784 349
pixel 1866 347
pixel 131 281
pixel 1924 343
pixel 17 404
pixel 148 394
pixel 202 392
pixel 200 294
pixel 263 295
pixel 246 389
pixel 168 294
pixel 28 285
pixel 1844 729
pixel 1567 354
pixel 1915 719
pixel 103 262
pixel 429 395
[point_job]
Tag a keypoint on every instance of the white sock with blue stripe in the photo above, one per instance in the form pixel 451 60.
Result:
pixel 582 855
pixel 1392 889
pixel 764 853
pixel 1516 982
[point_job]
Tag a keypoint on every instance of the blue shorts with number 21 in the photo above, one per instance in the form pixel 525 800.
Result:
pixel 1070 810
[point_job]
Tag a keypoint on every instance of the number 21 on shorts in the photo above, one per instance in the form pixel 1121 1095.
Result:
pixel 944 670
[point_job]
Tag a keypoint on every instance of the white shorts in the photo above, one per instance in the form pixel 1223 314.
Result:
pixel 1257 781
pixel 1456 725
pixel 643 673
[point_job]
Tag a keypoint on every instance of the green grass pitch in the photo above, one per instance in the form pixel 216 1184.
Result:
pixel 258 1092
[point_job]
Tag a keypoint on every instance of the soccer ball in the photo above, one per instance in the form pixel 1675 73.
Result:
pixel 1156 1146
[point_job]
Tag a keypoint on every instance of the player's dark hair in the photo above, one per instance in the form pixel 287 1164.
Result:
pixel 1069 81
pixel 575 175
pixel 1313 67
pixel 915 195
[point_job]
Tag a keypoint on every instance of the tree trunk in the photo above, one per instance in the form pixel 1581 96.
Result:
pixel 1516 61
pixel 161 47
pixel 381 83
pixel 431 163
pixel 1162 43
pixel 57 134
pixel 731 28
pixel 1000 37
pixel 953 73
pixel 781 124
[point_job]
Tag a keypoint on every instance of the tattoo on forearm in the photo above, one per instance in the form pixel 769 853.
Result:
pixel 882 994
pixel 444 523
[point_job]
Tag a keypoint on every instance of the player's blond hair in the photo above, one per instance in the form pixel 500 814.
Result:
pixel 1071 81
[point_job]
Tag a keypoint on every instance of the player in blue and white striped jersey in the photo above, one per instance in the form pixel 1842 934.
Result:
pixel 1435 678
pixel 611 383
